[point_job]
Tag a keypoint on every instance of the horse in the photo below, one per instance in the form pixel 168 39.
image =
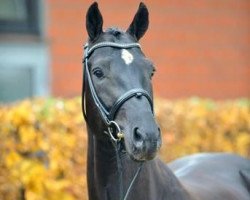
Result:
pixel 123 135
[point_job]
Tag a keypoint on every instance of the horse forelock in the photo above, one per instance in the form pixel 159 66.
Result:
pixel 115 31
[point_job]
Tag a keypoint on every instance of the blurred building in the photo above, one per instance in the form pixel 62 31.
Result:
pixel 24 50
pixel 200 47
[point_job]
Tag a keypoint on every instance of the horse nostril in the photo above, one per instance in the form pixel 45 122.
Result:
pixel 137 135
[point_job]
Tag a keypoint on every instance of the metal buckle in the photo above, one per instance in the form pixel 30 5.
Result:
pixel 119 134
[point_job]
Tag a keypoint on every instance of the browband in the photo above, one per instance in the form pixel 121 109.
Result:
pixel 89 51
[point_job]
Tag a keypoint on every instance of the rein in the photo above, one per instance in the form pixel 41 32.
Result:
pixel 108 116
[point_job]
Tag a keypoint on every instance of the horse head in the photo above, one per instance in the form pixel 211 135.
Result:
pixel 117 88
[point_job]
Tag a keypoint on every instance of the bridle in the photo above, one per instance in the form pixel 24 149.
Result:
pixel 108 117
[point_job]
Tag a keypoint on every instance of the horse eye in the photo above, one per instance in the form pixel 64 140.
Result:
pixel 98 73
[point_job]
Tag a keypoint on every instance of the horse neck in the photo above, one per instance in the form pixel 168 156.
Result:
pixel 103 176
pixel 101 166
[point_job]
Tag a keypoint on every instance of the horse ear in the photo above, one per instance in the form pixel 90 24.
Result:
pixel 94 21
pixel 139 25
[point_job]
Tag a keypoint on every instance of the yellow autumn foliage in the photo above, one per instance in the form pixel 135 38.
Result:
pixel 43 141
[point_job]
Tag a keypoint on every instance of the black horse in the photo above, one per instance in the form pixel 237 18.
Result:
pixel 123 136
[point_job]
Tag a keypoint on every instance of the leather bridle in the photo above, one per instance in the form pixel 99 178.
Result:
pixel 108 116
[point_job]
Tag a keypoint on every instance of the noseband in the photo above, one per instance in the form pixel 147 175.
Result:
pixel 108 117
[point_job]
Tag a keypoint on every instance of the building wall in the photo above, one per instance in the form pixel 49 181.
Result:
pixel 199 47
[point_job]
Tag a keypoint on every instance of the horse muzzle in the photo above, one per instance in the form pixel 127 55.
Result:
pixel 142 135
pixel 145 143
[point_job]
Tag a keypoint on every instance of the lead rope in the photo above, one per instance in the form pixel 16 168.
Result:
pixel 117 145
pixel 132 182
pixel 120 174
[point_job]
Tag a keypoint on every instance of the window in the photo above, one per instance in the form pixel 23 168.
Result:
pixel 19 16
pixel 16 83
pixel 24 60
